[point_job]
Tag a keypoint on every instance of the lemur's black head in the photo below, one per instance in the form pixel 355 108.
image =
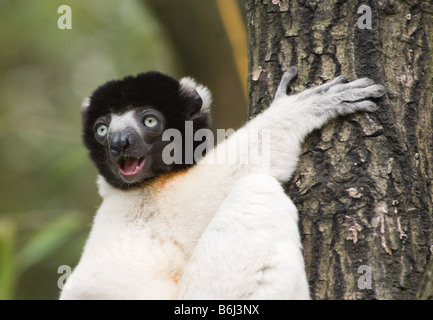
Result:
pixel 124 121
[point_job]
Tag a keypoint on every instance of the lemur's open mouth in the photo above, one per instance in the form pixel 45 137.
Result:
pixel 129 166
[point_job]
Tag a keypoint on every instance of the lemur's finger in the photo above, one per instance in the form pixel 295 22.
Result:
pixel 375 91
pixel 350 95
pixel 351 107
pixel 285 81
pixel 359 83
pixel 326 86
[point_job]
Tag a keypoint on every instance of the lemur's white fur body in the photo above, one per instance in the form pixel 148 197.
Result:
pixel 215 231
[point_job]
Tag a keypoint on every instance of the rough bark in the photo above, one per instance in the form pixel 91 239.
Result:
pixel 426 290
pixel 364 183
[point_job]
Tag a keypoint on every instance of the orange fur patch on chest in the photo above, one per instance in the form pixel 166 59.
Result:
pixel 175 276
pixel 160 183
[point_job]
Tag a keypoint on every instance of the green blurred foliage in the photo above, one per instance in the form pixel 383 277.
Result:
pixel 48 193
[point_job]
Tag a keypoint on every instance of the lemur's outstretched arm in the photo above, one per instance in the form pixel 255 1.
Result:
pixel 290 118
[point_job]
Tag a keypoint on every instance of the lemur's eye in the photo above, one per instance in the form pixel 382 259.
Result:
pixel 102 130
pixel 150 122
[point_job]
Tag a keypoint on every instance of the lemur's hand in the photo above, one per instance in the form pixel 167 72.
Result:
pixel 338 97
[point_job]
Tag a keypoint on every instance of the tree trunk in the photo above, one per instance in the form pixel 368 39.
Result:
pixel 364 183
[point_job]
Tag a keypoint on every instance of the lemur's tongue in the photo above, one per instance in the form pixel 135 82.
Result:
pixel 130 165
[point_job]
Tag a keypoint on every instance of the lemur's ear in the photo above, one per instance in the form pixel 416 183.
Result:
pixel 85 104
pixel 198 96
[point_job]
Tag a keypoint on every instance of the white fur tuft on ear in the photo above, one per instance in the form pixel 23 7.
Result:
pixel 85 104
pixel 187 84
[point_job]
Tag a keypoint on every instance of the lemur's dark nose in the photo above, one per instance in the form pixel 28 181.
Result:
pixel 119 143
